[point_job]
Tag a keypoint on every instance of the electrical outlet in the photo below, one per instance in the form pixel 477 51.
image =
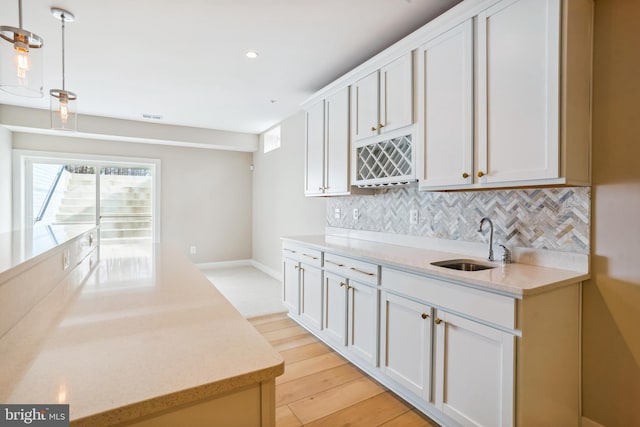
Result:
pixel 413 216
pixel 356 214
pixel 336 213
pixel 193 250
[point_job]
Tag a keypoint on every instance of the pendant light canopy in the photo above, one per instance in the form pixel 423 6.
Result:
pixel 63 102
pixel 21 69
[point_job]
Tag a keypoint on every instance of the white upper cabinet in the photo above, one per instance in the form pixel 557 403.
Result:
pixel 396 94
pixel 314 154
pixel 519 116
pixel 518 91
pixel 383 100
pixel 364 94
pixel 492 94
pixel 327 146
pixel 445 108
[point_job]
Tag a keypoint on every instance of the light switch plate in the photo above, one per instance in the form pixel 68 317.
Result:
pixel 356 213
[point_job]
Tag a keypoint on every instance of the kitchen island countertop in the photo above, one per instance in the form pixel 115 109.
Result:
pixel 145 333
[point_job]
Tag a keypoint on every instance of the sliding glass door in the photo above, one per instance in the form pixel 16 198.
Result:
pixel 119 196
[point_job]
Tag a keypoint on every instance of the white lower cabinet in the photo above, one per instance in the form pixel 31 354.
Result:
pixel 311 296
pixel 462 355
pixel 474 372
pixel 405 343
pixel 362 311
pixel 351 317
pixel 335 309
pixel 290 285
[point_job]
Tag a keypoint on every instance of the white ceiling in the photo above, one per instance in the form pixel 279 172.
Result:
pixel 185 60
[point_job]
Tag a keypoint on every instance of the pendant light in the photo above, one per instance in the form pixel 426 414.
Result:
pixel 21 70
pixel 63 102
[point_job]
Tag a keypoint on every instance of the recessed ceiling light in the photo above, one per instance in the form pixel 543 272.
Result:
pixel 252 54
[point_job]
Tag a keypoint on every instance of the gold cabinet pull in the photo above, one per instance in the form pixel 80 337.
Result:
pixel 380 126
pixel 290 250
pixel 363 272
pixel 425 316
pixel 480 174
pixel 438 320
pixel 310 256
pixel 342 284
pixel 328 261
pixel 297 267
pixel 373 128
pixel 465 175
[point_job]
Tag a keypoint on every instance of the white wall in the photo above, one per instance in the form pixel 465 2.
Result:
pixel 5 180
pixel 279 206
pixel 205 198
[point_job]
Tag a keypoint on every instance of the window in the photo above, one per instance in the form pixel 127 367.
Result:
pixel 272 139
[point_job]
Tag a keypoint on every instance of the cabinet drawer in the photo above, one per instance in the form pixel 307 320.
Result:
pixel 361 271
pixel 493 308
pixel 303 254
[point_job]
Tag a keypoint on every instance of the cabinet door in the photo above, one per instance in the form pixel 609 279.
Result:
pixel 364 101
pixel 405 346
pixel 314 153
pixel 337 142
pixel 363 321
pixel 474 379
pixel 518 85
pixel 311 296
pixel 396 94
pixel 290 285
pixel 446 108
pixel 335 309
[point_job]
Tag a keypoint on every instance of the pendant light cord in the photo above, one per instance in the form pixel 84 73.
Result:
pixel 62 18
pixel 20 14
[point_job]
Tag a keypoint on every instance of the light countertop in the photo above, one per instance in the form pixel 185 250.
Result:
pixel 19 249
pixel 514 279
pixel 146 332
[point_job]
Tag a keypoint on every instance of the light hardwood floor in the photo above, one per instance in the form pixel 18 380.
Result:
pixel 320 388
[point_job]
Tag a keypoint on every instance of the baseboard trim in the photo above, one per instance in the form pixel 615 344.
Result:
pixel 225 264
pixel 267 270
pixel 586 422
pixel 242 263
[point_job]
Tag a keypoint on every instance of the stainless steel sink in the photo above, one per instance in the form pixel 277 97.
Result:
pixel 462 265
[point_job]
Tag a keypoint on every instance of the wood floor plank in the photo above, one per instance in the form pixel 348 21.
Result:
pixel 309 366
pixel 315 383
pixel 279 334
pixel 275 325
pixel 410 419
pixel 286 418
pixel 304 352
pixel 371 412
pixel 320 388
pixel 293 342
pixel 327 402
pixel 268 318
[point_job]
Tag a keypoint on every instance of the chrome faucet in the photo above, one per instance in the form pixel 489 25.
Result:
pixel 482 221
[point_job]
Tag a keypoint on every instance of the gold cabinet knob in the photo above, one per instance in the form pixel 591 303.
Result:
pixel 341 284
pixel 438 321
pixel 480 174
pixel 425 316
pixel 465 175
pixel 380 126
pixel 373 128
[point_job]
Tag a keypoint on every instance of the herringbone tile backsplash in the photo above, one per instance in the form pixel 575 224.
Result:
pixel 549 218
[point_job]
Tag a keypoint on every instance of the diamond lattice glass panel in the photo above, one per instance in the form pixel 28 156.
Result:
pixel 385 159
